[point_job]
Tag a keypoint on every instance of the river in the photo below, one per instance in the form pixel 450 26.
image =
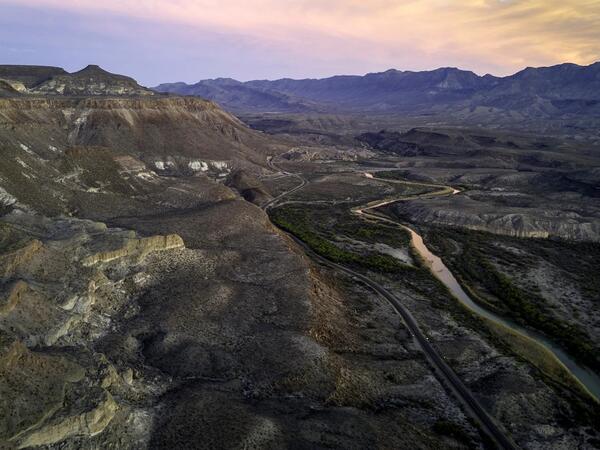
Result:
pixel 589 379
pixel 586 377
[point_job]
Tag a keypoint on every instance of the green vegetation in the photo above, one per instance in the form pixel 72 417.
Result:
pixel 539 356
pixel 333 222
pixel 400 175
pixel 296 220
pixel 320 227
pixel 526 306
pixel 580 260
pixel 355 228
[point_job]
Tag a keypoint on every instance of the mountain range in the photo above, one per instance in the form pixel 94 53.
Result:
pixel 565 89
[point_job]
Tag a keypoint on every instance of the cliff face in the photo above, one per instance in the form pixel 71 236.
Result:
pixel 52 396
pixel 502 219
pixel 100 155
pixel 176 126
pixel 136 248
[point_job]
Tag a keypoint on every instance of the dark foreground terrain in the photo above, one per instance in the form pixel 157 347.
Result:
pixel 151 299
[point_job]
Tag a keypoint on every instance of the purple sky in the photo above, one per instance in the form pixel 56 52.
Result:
pixel 187 40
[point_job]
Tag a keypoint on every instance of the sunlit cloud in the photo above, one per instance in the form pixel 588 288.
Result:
pixel 498 36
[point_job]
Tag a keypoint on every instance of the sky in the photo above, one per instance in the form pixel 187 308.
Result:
pixel 159 41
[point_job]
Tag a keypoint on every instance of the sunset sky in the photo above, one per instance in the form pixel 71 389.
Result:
pixel 188 40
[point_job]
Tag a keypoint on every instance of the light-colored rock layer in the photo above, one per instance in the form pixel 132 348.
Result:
pixel 87 424
pixel 136 248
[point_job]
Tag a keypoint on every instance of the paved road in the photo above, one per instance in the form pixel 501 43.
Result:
pixel 274 200
pixel 443 370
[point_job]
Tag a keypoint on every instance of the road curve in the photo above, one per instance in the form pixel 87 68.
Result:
pixel 274 200
pixel 443 370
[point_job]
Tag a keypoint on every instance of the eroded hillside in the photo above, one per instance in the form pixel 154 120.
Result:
pixel 145 304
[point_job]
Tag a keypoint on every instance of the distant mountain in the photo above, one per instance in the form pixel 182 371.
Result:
pixel 561 89
pixel 239 96
pixel 390 90
pixel 41 80
pixel 547 91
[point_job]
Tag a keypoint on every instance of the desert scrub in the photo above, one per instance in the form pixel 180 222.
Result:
pixel 453 430
pixel 333 222
pixel 11 238
pixel 412 189
pixel 355 228
pixel 526 306
pixel 296 221
pixel 356 388
pixel 527 309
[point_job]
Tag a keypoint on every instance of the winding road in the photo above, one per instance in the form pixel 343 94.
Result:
pixel 274 200
pixel 445 373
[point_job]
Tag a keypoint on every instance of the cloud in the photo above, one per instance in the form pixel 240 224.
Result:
pixel 498 36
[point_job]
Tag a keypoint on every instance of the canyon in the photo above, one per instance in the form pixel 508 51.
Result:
pixel 160 289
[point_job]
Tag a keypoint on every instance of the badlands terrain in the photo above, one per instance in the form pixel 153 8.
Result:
pixel 176 276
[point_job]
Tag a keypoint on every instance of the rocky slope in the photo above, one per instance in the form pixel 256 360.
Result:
pixel 221 336
pixel 95 154
pixel 476 213
pixel 145 304
pixel 58 295
pixel 517 185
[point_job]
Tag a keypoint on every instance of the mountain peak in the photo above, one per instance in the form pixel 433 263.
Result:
pixel 93 69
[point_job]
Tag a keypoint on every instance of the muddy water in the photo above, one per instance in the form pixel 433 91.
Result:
pixel 585 376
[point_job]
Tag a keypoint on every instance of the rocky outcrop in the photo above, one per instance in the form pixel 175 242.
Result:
pixel 11 262
pixel 248 186
pixel 10 88
pixel 52 302
pixel 136 248
pixel 33 388
pixel 87 424
pixel 15 294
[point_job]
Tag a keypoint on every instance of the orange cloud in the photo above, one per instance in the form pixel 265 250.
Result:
pixel 498 35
